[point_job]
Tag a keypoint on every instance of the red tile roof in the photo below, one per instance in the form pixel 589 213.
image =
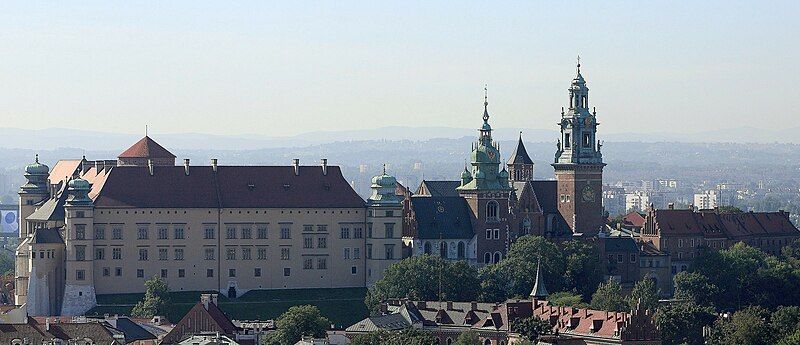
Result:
pixel 711 224
pixel 146 148
pixel 64 169
pixel 201 320
pixel 634 218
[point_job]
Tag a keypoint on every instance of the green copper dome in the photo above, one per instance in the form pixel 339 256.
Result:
pixel 37 168
pixel 79 184
pixel 384 180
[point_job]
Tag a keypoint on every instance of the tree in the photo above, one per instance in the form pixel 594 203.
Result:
pixel 156 299
pixel 298 321
pixel 514 275
pixel 417 278
pixel 409 336
pixel 582 271
pixel 683 322
pixel 566 299
pixel 785 320
pixel 745 327
pixel 646 293
pixel 791 339
pixel 609 297
pixel 531 327
pixel 468 338
pixel 694 286
pixel 729 209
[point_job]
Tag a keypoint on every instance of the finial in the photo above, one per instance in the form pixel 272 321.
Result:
pixel 145 130
pixel 384 168
pixel 579 63
pixel 562 110
pixel 37 158
pixel 594 110
pixel 485 103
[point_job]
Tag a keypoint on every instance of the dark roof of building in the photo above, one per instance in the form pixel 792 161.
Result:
pixel 51 235
pixel 199 320
pixel 146 148
pixel 619 244
pixel 520 155
pixel 546 192
pixel 132 330
pixel 732 225
pixel 38 333
pixel 51 209
pixel 442 217
pixel 438 188
pixel 229 187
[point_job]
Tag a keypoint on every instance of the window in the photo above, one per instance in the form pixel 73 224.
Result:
pixel 322 242
pixel 99 233
pixel 462 250
pixel 287 271
pixel 308 242
pixel 106 271
pixel 353 270
pixel 680 256
pixel 488 234
pixel 322 228
pixel 497 257
pixel 231 233
pixel 487 258
pixel 80 214
pixel 247 233
pixel 179 254
pixel 209 234
pixel 99 253
pixel 230 254
pixel 496 234
pixel 209 272
pixel 142 254
pixel 587 140
pixel 139 273
pixel 163 273
pixel 116 253
pixel 80 275
pixel 369 251
pixel 142 233
pixel 427 248
pixel 346 254
pixel 262 253
pixel 232 272
pixel 389 251
pixel 633 258
pixel 566 141
pixel 345 232
pixel 284 253
pixel 620 258
pixel 286 232
pixel 369 230
pixel 162 233
pixel 246 254
pixel 178 232
pixel 358 233
pixel 80 253
pixel 443 249
pixel 262 232
pixel 389 230
pixel 118 271
pixel 257 272
pixel 209 253
pixel 356 253
pixel 308 264
pixel 308 228
pixel 322 264
pixel 163 254
pixel 390 213
pixel 80 231
pixel 181 273
pixel 491 211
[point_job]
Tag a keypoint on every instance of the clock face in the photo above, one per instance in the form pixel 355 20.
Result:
pixel 587 194
pixel 491 154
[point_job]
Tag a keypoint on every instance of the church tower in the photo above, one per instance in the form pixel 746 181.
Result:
pixel 486 190
pixel 520 165
pixel 579 163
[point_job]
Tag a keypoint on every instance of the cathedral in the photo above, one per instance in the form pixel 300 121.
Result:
pixel 477 217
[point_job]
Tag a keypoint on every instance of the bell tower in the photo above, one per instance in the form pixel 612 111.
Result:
pixel 579 163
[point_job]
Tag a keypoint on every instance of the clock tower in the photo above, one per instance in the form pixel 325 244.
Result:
pixel 579 164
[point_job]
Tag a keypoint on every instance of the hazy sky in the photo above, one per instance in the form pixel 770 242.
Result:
pixel 286 67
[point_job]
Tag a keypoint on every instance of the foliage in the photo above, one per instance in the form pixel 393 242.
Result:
pixel 298 321
pixel 785 320
pixel 791 339
pixel 6 264
pixel 417 278
pixel 748 326
pixel 468 338
pixel 729 209
pixel 531 327
pixel 156 300
pixel 567 299
pixel 609 297
pixel 582 271
pixel 409 336
pixel 683 322
pixel 645 292
pixel 694 286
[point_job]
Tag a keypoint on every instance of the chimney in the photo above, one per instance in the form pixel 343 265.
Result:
pixel 296 164
pixel 149 166
pixel 84 165
pixel 47 323
pixel 384 308
pixel 473 306
pixel 325 166
pixel 214 164
pixel 214 298
pixel 105 168
pixel 671 206
pixel 205 299
pixel 422 305
pixel 97 166
pixel 449 305
pixel 186 166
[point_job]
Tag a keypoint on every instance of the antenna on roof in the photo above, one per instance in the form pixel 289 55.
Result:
pixel 145 130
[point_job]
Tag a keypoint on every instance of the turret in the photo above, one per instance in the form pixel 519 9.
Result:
pixel 32 192
pixel 520 165
pixel 384 240
pixel 79 293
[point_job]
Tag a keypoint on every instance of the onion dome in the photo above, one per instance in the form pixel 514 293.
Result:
pixel 384 180
pixel 37 168
pixel 384 190
pixel 465 174
pixel 79 192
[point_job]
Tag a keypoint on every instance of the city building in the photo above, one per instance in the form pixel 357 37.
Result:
pixel 105 226
pixel 639 200
pixel 707 200
pixel 614 200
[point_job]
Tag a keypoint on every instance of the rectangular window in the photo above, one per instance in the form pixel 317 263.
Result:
pixel 322 264
pixel 106 272
pixel 181 273
pixel 356 253
pixel 308 264
pixel 488 234
pixel 209 253
pixel 230 254
pixel 99 233
pixel 262 232
pixel 496 234
pixel 247 233
pixel 389 230
pixel 587 140
pixel 163 273
pixel 567 144
pixel 286 232
pixel 209 272
pixel 358 233
pixel 262 253
pixel 390 213
pixel 322 228
pixel 284 253
pixel 308 228
pixel 80 275
pixel 179 233
pixel 163 253
pixel 142 235
pixel 139 273
pixel 209 234
pixel 346 254
pixel 680 243
pixel 633 258
pixel 308 242
pixel 118 271
pixel 179 254
pixel 257 272
pixel 231 233
pixel 322 242
pixel 620 258
pixel 389 251
pixel 80 253
pixel 232 272
pixel 80 231
pixel 116 253
pixel 369 251
pixel 142 254
pixel 162 233
pixel 246 254
pixel 287 271
pixel 353 270
pixel 369 230
pixel 345 232
pixel 99 253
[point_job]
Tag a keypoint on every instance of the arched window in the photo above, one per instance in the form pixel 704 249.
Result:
pixel 487 342
pixel 487 258
pixel 449 341
pixel 427 248
pixel 497 257
pixel 462 250
pixel 443 249
pixel 491 211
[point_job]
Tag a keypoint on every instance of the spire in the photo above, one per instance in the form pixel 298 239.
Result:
pixel 520 154
pixel 539 291
pixel 485 103
pixel 579 63
pixel 384 168
pixel 37 158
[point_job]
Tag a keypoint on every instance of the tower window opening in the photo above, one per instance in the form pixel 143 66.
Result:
pixel 567 144
pixel 587 140
pixel 491 211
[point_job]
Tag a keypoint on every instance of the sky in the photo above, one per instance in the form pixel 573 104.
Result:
pixel 280 68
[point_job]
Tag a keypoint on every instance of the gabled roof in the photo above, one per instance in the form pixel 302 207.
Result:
pixel 520 155
pixel 619 244
pixel 146 148
pixel 438 188
pixel 52 235
pixel 200 320
pixel 634 218
pixel 442 217
pixel 546 192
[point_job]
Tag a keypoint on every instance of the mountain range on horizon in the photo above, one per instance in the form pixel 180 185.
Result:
pixel 53 138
